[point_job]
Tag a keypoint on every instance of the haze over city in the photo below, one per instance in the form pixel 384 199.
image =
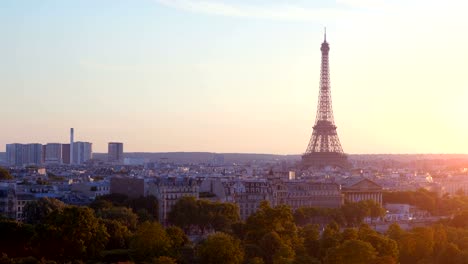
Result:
pixel 234 76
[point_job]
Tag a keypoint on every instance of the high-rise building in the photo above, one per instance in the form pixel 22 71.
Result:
pixel 324 147
pixel 82 152
pixel 71 150
pixel 66 159
pixel 53 153
pixel 115 152
pixel 24 154
pixel 14 153
pixel 32 154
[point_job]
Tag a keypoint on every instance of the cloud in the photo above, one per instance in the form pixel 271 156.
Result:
pixel 283 11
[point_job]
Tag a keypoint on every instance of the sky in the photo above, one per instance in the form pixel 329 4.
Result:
pixel 234 75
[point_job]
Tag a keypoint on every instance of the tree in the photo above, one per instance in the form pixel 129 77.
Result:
pixel 73 233
pixel 150 241
pixel 310 234
pixel 178 240
pixel 146 206
pixel 450 254
pixel 164 260
pixel 122 214
pixel 395 232
pixel 331 238
pixel 184 213
pixel 352 252
pixel 119 235
pixel 15 238
pixel 267 219
pixel 460 220
pixel 5 174
pixel 375 210
pixel 354 213
pixel 36 212
pixel 220 248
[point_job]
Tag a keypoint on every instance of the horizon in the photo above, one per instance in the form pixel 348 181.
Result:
pixel 234 76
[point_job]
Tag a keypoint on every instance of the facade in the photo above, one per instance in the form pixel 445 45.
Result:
pixel 307 194
pixel 24 154
pixel 132 187
pixel 92 189
pixel 14 154
pixel 66 159
pixel 53 153
pixel 82 152
pixel 168 191
pixel 21 201
pixel 8 200
pixel 115 152
pixel 362 189
pixel 248 194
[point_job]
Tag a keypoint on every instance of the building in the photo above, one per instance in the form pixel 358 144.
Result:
pixel 72 145
pixel 8 200
pixel 14 154
pixel 92 189
pixel 168 191
pixel 24 154
pixel 53 153
pixel 115 152
pixel 132 187
pixel 21 200
pixel 82 152
pixel 356 189
pixel 249 193
pixel 66 158
pixel 309 194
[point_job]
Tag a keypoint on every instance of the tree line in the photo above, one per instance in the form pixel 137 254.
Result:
pixel 115 228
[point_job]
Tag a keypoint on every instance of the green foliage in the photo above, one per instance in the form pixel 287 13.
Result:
pixel 73 233
pixel 351 252
pixel 146 207
pixel 164 260
pixel 15 238
pixel 310 235
pixel 122 214
pixel 150 241
pixel 119 235
pixel 220 248
pixel 420 198
pixel 5 174
pixel 460 220
pixel 189 213
pixel 36 212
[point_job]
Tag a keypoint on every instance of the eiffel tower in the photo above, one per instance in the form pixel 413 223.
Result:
pixel 324 147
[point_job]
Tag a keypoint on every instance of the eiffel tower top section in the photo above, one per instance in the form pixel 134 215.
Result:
pixel 324 107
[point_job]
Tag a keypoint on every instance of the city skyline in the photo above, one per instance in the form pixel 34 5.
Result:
pixel 234 76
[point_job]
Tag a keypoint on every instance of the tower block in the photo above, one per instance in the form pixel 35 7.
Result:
pixel 324 147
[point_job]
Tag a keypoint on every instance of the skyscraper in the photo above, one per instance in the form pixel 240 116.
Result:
pixel 14 153
pixel 24 154
pixel 324 147
pixel 82 152
pixel 53 153
pixel 115 152
pixel 71 149
pixel 32 154
pixel 66 159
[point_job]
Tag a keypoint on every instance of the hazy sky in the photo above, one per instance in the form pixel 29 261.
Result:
pixel 234 76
